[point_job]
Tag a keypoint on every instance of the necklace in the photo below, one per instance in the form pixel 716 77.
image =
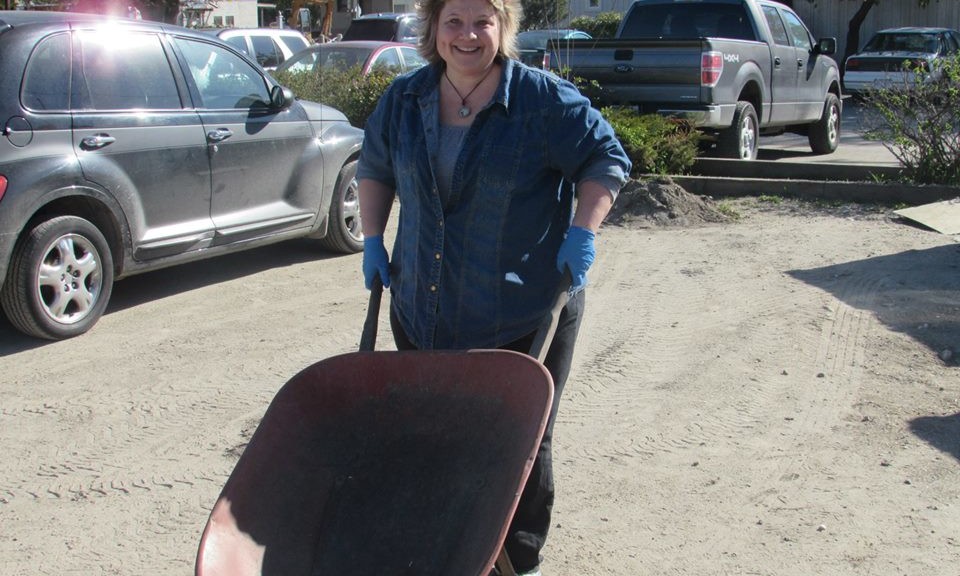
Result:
pixel 464 110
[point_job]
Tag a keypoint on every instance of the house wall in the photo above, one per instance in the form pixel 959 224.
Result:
pixel 829 17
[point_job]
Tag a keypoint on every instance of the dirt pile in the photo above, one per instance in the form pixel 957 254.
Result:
pixel 662 202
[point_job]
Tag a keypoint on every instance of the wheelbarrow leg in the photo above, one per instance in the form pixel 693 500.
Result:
pixel 504 566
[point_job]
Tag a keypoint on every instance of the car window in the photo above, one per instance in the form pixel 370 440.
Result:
pixel 798 32
pixel 137 77
pixel 268 54
pixel 388 60
pixel 294 44
pixel 777 29
pixel 951 43
pixel 301 62
pixel 46 80
pixel 238 42
pixel 412 58
pixel 223 79
pixel 408 30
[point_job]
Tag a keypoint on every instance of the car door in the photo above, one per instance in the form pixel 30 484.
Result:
pixel 810 90
pixel 135 138
pixel 784 75
pixel 254 150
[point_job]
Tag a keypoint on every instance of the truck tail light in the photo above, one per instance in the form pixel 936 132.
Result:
pixel 711 67
pixel 3 186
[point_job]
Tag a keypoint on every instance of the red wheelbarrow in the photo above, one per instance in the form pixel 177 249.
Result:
pixel 385 464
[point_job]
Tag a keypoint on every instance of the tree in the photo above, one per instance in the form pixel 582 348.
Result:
pixel 540 14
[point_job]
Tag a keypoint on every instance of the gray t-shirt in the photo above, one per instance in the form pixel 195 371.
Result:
pixel 451 142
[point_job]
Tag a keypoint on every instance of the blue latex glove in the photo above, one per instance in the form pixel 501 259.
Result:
pixel 375 260
pixel 577 254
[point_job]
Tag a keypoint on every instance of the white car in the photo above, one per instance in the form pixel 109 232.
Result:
pixel 268 46
pixel 887 57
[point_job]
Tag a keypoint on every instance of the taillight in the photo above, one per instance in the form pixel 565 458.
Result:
pixel 853 64
pixel 546 61
pixel 711 67
pixel 3 186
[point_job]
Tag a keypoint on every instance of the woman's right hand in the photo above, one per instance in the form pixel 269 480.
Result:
pixel 375 261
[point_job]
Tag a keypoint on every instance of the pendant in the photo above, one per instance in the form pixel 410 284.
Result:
pixel 464 111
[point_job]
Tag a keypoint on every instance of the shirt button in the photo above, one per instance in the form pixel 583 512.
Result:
pixel 433 287
pixel 436 256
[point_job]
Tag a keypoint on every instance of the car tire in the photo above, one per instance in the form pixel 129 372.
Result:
pixel 344 229
pixel 60 279
pixel 741 140
pixel 824 134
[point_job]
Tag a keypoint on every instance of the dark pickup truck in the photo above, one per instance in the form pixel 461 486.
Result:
pixel 736 69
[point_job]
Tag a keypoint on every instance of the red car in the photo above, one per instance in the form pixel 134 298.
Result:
pixel 367 54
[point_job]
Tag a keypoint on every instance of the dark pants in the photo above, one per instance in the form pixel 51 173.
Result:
pixel 531 521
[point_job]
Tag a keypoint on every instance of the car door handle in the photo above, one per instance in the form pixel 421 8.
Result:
pixel 97 141
pixel 219 135
pixel 799 64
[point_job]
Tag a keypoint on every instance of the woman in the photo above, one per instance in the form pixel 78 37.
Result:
pixel 483 154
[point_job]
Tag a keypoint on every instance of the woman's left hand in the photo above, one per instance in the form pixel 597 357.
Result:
pixel 577 253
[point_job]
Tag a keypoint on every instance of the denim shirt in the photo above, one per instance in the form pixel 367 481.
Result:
pixel 481 271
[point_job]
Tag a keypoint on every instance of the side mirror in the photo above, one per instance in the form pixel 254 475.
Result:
pixel 281 97
pixel 826 46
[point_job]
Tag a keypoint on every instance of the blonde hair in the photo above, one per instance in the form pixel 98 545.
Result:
pixel 509 13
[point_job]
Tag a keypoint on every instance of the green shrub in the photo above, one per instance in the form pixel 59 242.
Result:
pixel 349 91
pixel 655 144
pixel 918 120
pixel 604 25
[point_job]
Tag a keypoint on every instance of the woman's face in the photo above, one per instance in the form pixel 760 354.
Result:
pixel 468 36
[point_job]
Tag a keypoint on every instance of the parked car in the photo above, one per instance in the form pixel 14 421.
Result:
pixel 532 44
pixel 886 60
pixel 129 146
pixel 368 55
pixel 387 26
pixel 268 46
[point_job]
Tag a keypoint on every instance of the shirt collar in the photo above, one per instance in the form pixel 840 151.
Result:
pixel 424 86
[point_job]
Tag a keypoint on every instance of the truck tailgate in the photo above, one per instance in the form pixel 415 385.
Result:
pixel 634 70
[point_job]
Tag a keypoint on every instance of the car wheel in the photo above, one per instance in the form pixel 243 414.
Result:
pixel 60 279
pixel 345 231
pixel 824 134
pixel 740 141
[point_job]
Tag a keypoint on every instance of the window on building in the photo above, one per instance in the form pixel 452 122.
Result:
pixel 218 21
pixel 593 4
pixel 230 22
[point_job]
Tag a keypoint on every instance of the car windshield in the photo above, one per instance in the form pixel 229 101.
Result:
pixel 903 42
pixel 371 30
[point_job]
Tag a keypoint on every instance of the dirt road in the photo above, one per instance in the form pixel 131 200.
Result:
pixel 767 396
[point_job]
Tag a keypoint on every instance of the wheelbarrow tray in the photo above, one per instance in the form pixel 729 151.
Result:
pixel 385 464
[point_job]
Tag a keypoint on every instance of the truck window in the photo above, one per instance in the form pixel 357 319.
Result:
pixel 693 20
pixel 777 29
pixel 798 32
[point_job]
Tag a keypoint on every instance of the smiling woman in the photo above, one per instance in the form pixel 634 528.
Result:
pixel 503 175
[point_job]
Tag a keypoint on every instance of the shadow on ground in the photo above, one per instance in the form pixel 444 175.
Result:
pixel 941 432
pixel 916 292
pixel 150 286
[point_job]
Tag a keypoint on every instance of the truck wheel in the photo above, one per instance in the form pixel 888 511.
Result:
pixel 824 134
pixel 60 279
pixel 740 140
pixel 345 231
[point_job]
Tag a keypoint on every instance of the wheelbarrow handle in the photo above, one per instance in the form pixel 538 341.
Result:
pixel 369 336
pixel 541 340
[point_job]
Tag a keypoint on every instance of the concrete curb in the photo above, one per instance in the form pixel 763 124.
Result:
pixel 845 182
